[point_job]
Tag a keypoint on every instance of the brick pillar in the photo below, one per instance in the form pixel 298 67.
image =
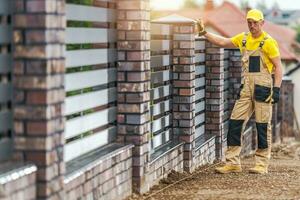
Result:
pixel 38 80
pixel 134 84
pixel 214 92
pixel 184 89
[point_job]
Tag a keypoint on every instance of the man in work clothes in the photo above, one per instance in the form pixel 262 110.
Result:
pixel 260 59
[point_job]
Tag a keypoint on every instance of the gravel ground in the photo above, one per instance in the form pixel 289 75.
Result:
pixel 282 181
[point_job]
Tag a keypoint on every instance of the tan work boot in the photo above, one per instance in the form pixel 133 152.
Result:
pixel 259 169
pixel 226 169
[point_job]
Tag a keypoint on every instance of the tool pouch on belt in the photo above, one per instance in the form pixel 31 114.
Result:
pixel 261 93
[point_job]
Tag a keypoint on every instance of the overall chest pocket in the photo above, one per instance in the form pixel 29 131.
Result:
pixel 254 64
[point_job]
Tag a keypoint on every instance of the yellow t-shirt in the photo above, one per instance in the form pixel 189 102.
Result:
pixel 270 47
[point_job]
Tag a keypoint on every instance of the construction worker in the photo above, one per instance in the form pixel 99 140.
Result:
pixel 260 59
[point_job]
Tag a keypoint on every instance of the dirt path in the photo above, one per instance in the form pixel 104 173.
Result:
pixel 282 181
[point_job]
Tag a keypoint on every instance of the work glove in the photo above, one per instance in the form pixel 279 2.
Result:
pixel 275 95
pixel 200 27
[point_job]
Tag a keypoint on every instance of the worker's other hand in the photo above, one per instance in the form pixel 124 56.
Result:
pixel 276 95
pixel 200 27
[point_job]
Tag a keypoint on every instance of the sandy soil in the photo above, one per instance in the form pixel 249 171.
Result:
pixel 282 181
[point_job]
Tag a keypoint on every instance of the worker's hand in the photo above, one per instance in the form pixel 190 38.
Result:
pixel 200 27
pixel 276 95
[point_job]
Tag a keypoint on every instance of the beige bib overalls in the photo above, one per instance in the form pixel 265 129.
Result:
pixel 255 96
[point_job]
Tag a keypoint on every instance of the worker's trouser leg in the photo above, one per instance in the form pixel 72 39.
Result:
pixel 263 116
pixel 241 113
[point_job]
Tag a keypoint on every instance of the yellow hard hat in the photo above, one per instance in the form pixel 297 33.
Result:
pixel 255 14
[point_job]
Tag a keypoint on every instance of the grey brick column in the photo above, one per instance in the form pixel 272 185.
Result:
pixel 38 80
pixel 134 84
pixel 214 91
pixel 184 88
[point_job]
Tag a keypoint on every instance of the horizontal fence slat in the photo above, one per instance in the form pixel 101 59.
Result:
pixel 199 131
pixel 91 100
pixel 199 44
pixel 5 92
pixel 89 122
pixel 5 63
pixel 5 7
pixel 89 13
pixel 78 58
pixel 200 69
pixel 5 121
pixel 89 143
pixel 5 34
pixel 160 123
pixel 200 106
pixel 160 92
pixel 80 80
pixel 161 138
pixel 160 29
pixel 160 76
pixel 200 82
pixel 90 35
pixel 6 145
pixel 200 94
pixel 160 61
pixel 160 45
pixel 199 119
pixel 160 107
pixel 199 57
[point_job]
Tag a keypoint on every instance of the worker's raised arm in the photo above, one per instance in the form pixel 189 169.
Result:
pixel 219 40
pixel 213 38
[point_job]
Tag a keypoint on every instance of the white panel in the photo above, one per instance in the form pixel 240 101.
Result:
pixel 160 29
pixel 199 119
pixel 89 122
pixel 5 63
pixel 161 138
pixel 89 143
pixel 200 69
pixel 6 148
pixel 160 61
pixel 200 106
pixel 200 94
pixel 78 58
pixel 199 57
pixel 200 45
pixel 5 121
pixel 160 123
pixel 200 82
pixel 160 76
pixel 90 35
pixel 160 107
pixel 5 7
pixel 80 80
pixel 5 33
pixel 160 45
pixel 5 92
pixel 89 13
pixel 199 131
pixel 160 92
pixel 91 100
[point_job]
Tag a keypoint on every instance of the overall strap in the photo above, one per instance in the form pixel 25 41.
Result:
pixel 261 44
pixel 244 41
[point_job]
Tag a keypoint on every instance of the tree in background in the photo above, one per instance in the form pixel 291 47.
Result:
pixel 190 4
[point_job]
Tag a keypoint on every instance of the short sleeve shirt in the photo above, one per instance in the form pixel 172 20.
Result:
pixel 270 47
